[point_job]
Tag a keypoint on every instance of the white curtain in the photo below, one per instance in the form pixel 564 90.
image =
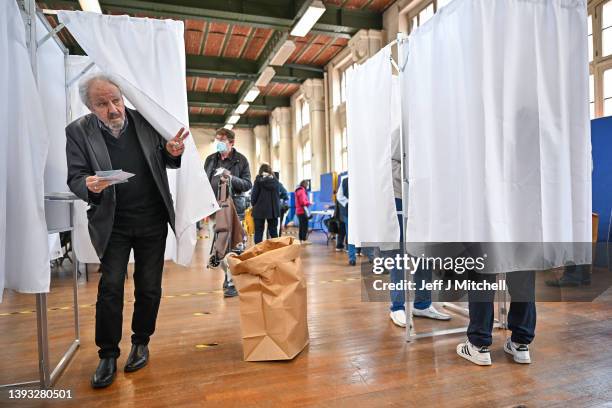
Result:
pixel 147 57
pixel 372 215
pixel 496 115
pixel 24 247
pixel 52 88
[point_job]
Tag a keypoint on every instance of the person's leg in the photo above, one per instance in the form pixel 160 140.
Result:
pixel 341 235
pixel 281 221
pixel 273 227
pixel 303 228
pixel 149 249
pixel 522 314
pixel 259 230
pixel 352 253
pixel 109 305
pixel 481 310
pixel 396 275
pixel 422 297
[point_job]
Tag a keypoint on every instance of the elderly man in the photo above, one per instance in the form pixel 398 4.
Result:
pixel 122 217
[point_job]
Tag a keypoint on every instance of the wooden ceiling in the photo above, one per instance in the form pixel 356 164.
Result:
pixel 229 43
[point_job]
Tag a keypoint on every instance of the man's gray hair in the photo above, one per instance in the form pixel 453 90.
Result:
pixel 86 82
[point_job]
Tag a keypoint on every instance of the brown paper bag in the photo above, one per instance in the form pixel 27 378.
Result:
pixel 272 292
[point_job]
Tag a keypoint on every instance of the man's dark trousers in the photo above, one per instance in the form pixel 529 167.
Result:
pixel 149 245
pixel 522 314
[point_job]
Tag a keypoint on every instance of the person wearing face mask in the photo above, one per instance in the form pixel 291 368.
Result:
pixel 229 165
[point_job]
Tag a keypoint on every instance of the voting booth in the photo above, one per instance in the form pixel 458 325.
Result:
pixel 475 157
pixel 41 102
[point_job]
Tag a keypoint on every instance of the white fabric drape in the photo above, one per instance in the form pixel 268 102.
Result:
pixel 372 216
pixel 83 248
pixel 24 247
pixel 52 89
pixel 147 57
pixel 497 117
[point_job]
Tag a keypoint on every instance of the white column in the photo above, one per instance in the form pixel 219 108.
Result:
pixel 245 144
pixel 365 44
pixel 315 95
pixel 262 137
pixel 282 117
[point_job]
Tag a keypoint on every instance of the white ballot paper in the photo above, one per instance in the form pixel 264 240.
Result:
pixel 114 176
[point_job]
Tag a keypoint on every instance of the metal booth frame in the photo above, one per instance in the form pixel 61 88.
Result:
pixel 49 375
pixel 502 302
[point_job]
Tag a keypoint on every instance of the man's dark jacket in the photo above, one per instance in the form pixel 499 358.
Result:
pixel 238 165
pixel 86 153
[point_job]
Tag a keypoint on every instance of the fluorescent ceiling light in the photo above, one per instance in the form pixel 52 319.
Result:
pixel 252 94
pixel 90 5
pixel 242 108
pixel 309 19
pixel 283 53
pixel 228 127
pixel 265 77
pixel 233 119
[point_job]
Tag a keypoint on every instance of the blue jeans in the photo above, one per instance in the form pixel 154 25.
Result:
pixel 422 298
pixel 352 252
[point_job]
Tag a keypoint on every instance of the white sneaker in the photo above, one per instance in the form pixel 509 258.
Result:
pixel 520 352
pixel 339 249
pixel 431 313
pixel 398 318
pixel 305 242
pixel 477 355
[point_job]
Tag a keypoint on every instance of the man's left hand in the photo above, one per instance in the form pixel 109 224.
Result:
pixel 176 146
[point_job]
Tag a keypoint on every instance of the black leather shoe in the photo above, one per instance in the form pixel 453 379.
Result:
pixel 138 358
pixel 105 373
pixel 230 291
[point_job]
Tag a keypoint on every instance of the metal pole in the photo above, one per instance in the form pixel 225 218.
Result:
pixel 401 38
pixel 75 280
pixel 43 340
pixel 29 7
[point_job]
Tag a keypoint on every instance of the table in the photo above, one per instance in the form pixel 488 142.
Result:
pixel 319 216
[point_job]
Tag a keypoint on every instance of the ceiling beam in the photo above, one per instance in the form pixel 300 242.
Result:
pixel 229 101
pixel 278 15
pixel 217 121
pixel 245 70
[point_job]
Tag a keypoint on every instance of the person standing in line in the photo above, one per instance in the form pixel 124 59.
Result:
pixel 266 203
pixel 301 203
pixel 422 305
pixel 284 203
pixel 342 196
pixel 231 166
pixel 521 318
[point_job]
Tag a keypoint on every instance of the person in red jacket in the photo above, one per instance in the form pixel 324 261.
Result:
pixel 301 202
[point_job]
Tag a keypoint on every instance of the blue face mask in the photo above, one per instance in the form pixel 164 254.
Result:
pixel 221 147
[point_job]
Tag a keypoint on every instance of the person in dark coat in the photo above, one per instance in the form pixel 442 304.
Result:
pixel 284 203
pixel 266 203
pixel 234 166
pixel 230 167
pixel 122 217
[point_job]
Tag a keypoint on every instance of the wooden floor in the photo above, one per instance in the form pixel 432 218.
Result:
pixel 356 356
